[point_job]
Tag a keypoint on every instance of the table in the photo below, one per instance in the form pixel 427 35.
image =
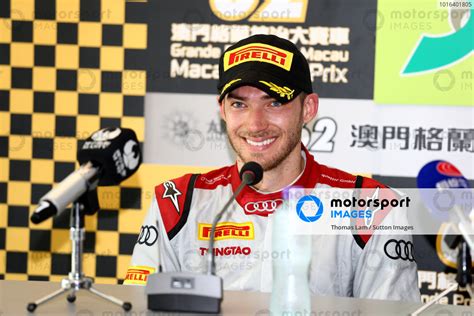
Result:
pixel 14 296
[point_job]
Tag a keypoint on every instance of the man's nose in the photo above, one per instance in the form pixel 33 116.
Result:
pixel 257 120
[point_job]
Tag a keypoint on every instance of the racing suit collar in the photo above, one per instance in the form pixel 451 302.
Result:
pixel 307 179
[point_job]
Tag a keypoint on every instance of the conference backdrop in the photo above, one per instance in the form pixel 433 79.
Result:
pixel 395 81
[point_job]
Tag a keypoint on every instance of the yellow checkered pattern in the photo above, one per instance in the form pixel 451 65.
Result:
pixel 65 72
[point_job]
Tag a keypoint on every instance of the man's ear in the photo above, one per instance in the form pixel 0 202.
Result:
pixel 221 108
pixel 310 107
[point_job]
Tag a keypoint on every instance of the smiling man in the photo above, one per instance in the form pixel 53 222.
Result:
pixel 267 130
pixel 265 98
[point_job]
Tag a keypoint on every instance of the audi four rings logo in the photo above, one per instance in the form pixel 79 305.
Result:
pixel 262 206
pixel 399 249
pixel 148 235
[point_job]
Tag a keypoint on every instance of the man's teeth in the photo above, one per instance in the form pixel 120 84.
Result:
pixel 262 143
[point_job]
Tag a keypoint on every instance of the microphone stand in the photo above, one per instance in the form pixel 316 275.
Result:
pixel 464 270
pixel 76 279
pixel 246 179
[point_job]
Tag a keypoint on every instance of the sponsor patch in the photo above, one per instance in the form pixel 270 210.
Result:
pixel 258 52
pixel 227 251
pixel 263 208
pixel 226 230
pixel 216 179
pixel 138 275
pixel 148 235
pixel 171 193
pixel 399 249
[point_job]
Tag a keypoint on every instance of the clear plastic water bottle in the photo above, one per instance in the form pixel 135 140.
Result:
pixel 290 267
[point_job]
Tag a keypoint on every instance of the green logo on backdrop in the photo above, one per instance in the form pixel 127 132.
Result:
pixel 424 53
pixel 435 52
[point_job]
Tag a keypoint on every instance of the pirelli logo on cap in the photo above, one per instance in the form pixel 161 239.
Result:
pixel 138 275
pixel 226 230
pixel 258 52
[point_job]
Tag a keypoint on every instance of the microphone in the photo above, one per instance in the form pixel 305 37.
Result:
pixel 106 158
pixel 444 176
pixel 69 190
pixel 250 174
pixel 441 174
pixel 191 292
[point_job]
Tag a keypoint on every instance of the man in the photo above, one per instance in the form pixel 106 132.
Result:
pixel 265 99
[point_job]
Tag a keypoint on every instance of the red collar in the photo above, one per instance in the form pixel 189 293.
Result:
pixel 262 204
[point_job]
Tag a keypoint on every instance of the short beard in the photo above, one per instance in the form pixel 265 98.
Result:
pixel 294 140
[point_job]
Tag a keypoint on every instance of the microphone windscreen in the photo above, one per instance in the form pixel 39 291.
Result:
pixel 440 174
pixel 253 168
pixel 115 151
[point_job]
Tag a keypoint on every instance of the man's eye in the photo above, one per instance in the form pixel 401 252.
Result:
pixel 237 105
pixel 276 104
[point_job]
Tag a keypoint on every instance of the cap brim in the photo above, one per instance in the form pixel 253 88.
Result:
pixel 281 91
